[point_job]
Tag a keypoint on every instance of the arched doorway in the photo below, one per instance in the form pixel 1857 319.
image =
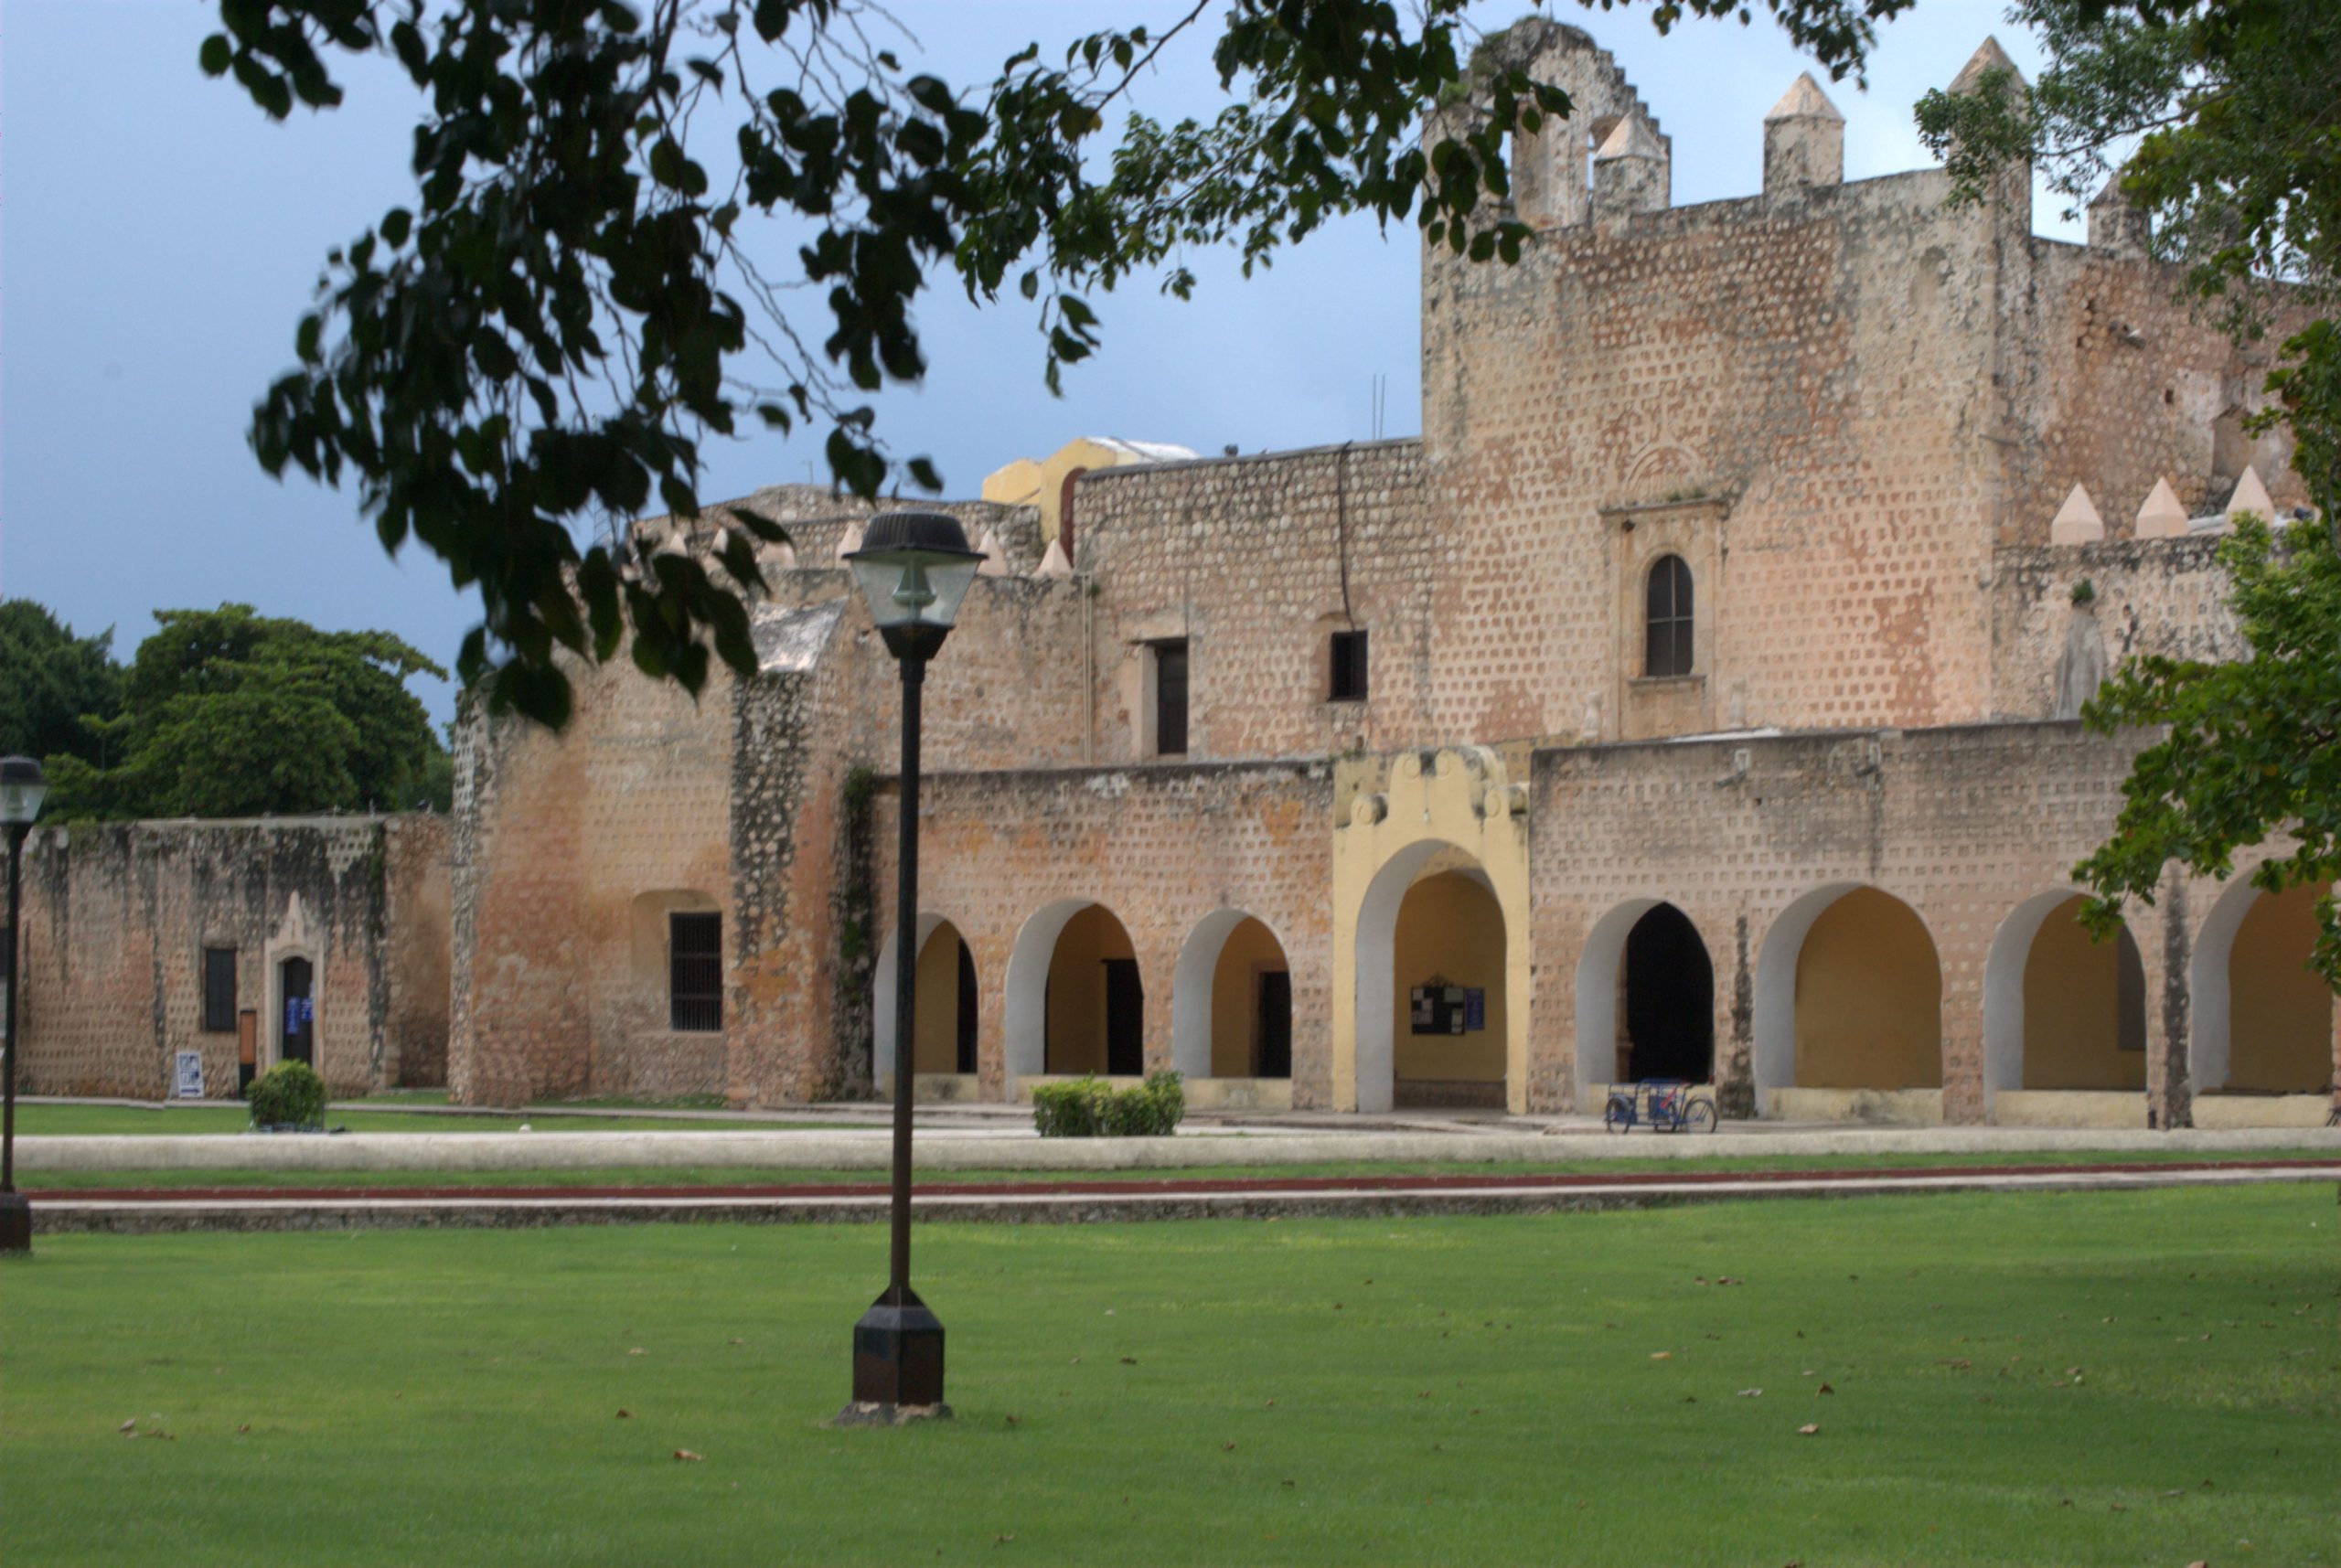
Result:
pixel 1433 1015
pixel 1645 998
pixel 944 1024
pixel 2062 1011
pixel 2263 1019
pixel 1075 1001
pixel 1230 1001
pixel 1848 998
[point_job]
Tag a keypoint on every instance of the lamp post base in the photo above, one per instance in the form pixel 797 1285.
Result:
pixel 897 1361
pixel 17 1224
pixel 860 1414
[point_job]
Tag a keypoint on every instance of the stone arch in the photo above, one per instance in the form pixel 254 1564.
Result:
pixel 1203 1014
pixel 2100 991
pixel 1032 1019
pixel 1605 978
pixel 2262 1019
pixel 940 969
pixel 1458 802
pixel 1815 1000
pixel 1386 958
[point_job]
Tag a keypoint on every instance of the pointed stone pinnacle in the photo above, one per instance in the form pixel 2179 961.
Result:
pixel 1988 57
pixel 995 558
pixel 1804 100
pixel 1054 566
pixel 2077 521
pixel 1631 139
pixel 2252 496
pixel 850 542
pixel 2161 517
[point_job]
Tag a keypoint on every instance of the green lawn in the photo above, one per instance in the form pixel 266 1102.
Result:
pixel 111 1121
pixel 770 1176
pixel 2119 1379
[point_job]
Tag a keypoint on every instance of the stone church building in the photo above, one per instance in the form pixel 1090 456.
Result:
pixel 1694 699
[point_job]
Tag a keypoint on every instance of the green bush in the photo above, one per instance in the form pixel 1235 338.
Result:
pixel 1091 1108
pixel 289 1094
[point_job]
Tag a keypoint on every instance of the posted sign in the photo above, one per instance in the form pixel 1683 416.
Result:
pixel 186 1075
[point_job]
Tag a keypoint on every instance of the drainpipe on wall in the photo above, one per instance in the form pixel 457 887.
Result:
pixel 1082 586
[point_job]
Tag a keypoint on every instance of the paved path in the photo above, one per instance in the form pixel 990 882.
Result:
pixel 170 1210
pixel 942 1150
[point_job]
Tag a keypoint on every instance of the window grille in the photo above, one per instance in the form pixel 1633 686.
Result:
pixel 695 971
pixel 1668 649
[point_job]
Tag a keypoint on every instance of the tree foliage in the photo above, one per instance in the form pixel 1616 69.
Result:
pixel 228 713
pixel 2253 747
pixel 55 689
pixel 580 292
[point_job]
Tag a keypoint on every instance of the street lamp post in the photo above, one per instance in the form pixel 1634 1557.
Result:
pixel 22 788
pixel 913 568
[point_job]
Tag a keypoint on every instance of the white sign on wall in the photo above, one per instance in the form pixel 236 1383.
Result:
pixel 187 1076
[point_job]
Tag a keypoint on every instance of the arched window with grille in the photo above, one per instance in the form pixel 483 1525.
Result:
pixel 1667 619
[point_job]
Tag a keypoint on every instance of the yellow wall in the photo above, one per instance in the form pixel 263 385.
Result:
pixel 1077 989
pixel 1027 483
pixel 1235 993
pixel 2072 1009
pixel 935 1046
pixel 1868 998
pixel 1451 927
pixel 2280 1029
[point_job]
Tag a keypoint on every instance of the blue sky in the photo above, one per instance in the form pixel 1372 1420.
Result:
pixel 159 240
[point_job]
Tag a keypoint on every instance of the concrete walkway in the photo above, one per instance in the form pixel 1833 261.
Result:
pixel 1005 1148
pixel 1077 1201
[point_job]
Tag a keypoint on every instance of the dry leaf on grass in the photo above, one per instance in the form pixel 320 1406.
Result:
pixel 1808 1429
pixel 1751 1393
pixel 687 1455
pixel 1661 1355
pixel 625 1415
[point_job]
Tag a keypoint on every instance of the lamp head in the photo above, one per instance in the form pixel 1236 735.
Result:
pixel 913 569
pixel 22 789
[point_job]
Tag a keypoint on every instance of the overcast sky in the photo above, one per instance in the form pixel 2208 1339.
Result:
pixel 159 240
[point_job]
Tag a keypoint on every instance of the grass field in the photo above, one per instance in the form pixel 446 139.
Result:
pixel 2117 1379
pixel 131 1121
pixel 768 1176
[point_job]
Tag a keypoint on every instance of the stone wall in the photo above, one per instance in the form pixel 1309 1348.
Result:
pixel 1963 824
pixel 117 917
pixel 2165 596
pixel 1163 847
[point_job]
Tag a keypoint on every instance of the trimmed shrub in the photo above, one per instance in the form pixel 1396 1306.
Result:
pixel 289 1094
pixel 1091 1108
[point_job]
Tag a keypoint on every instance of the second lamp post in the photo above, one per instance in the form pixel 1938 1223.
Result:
pixel 913 568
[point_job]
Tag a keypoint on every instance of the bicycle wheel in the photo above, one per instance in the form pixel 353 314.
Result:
pixel 1619 1114
pixel 1702 1116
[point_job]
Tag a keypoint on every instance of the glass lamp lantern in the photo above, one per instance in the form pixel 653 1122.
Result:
pixel 22 789
pixel 913 569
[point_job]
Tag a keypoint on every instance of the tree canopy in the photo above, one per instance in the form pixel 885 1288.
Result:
pixel 56 689
pixel 585 285
pixel 228 713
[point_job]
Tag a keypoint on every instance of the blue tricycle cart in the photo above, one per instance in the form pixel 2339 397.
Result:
pixel 1664 1105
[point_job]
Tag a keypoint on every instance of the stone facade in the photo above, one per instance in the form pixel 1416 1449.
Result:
pixel 118 919
pixel 1837 420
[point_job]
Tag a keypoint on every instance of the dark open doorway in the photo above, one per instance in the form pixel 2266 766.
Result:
pixel 966 1043
pixel 1124 1018
pixel 1670 998
pixel 299 1040
pixel 1275 1024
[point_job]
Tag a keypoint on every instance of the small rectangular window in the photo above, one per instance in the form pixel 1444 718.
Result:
pixel 219 990
pixel 1171 699
pixel 695 972
pixel 1348 667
